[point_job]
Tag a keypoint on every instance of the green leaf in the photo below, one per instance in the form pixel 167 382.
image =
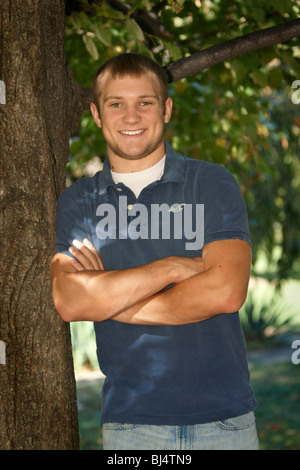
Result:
pixel 249 128
pixel 136 5
pixel 275 78
pixel 145 51
pixel 103 34
pixel 239 70
pixel 134 30
pixel 109 12
pixel 91 47
pixel 282 6
pixel 259 78
pixel 250 104
pixel 258 14
pixel 174 51
pixel 291 61
pixel 76 21
pixel 80 20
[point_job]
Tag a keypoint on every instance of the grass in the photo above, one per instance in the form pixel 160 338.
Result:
pixel 277 390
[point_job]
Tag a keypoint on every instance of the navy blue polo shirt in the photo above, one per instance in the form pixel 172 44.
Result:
pixel 164 375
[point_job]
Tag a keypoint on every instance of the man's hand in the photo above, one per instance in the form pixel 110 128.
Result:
pixel 87 257
pixel 188 267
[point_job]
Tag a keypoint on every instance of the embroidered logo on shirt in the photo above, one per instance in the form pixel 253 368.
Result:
pixel 177 207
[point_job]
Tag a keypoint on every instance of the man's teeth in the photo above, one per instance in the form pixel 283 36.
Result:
pixel 139 131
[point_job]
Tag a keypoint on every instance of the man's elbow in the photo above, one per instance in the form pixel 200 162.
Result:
pixel 234 299
pixel 65 312
pixel 66 304
pixel 72 309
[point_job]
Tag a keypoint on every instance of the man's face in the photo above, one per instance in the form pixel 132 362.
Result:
pixel 132 118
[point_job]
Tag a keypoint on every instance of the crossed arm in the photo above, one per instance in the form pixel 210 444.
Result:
pixel 204 287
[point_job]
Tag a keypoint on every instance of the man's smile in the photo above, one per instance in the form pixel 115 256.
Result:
pixel 135 132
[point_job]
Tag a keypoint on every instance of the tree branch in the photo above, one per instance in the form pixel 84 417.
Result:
pixel 227 50
pixel 219 53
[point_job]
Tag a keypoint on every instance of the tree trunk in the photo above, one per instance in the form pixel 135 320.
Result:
pixel 37 386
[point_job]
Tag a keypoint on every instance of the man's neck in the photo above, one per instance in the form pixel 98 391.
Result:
pixel 127 165
pixel 137 181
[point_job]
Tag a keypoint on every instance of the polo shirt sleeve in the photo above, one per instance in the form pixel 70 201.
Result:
pixel 70 222
pixel 225 214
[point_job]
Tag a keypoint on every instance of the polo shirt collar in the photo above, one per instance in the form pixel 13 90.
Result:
pixel 174 166
pixel 173 172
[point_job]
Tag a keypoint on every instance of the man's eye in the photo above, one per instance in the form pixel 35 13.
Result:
pixel 145 103
pixel 115 105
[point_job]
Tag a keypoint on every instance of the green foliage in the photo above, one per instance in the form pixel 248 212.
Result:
pixel 84 345
pixel 265 318
pixel 238 113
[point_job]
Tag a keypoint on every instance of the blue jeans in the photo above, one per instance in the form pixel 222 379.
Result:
pixel 231 434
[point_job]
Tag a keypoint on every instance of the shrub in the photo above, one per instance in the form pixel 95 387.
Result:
pixel 265 317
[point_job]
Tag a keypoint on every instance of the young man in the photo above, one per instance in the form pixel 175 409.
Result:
pixel 155 250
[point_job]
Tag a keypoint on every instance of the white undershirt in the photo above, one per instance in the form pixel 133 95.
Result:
pixel 138 180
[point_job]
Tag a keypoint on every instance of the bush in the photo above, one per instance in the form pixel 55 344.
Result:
pixel 265 317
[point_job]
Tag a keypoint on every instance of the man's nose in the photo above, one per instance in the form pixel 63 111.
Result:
pixel 132 114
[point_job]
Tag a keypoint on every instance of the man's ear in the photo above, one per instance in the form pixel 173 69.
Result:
pixel 168 109
pixel 95 113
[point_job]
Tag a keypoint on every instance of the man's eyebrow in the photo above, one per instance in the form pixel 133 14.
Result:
pixel 108 98
pixel 149 96
pixel 112 98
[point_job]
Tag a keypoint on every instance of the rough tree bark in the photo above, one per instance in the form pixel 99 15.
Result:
pixel 37 387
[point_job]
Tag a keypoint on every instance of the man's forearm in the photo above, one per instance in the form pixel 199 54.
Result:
pixel 208 286
pixel 100 295
pixel 193 300
pixel 220 289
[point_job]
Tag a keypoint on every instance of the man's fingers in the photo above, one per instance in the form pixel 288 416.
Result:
pixel 80 258
pixel 78 266
pixel 86 255
pixel 83 255
pixel 91 247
